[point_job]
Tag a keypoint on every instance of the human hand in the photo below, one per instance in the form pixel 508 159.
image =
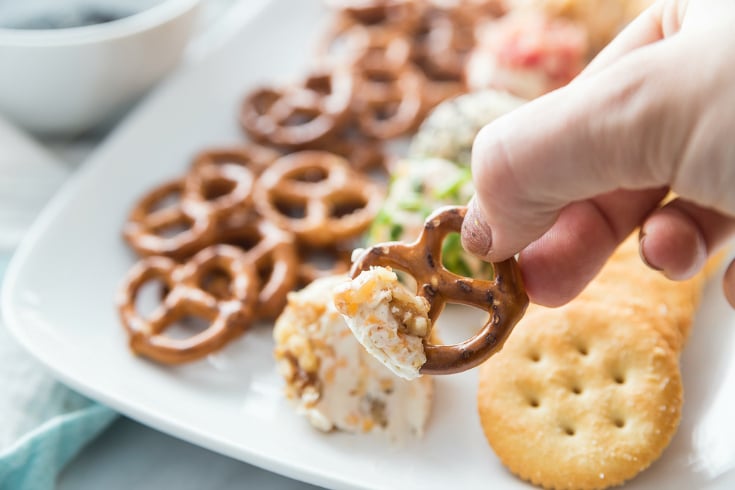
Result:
pixel 565 178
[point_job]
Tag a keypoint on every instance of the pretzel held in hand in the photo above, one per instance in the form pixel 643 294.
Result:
pixel 503 297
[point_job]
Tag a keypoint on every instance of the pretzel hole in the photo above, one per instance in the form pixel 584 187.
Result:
pixel 453 256
pixel 341 46
pixel 188 325
pixel 217 282
pixel 149 296
pixel 244 241
pixel 320 84
pixel 264 100
pixel 386 111
pixel 430 68
pixel 174 228
pixel 310 175
pixel 458 321
pixel 346 206
pixel 291 209
pixel 379 77
pixel 214 188
pixel 300 117
pixel 265 269
pixel 371 16
pixel 168 201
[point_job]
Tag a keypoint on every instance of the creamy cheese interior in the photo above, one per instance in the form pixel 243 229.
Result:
pixel 387 319
pixel 333 381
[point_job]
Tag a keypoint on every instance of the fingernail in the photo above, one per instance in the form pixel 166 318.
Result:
pixel 729 284
pixel 642 252
pixel 477 238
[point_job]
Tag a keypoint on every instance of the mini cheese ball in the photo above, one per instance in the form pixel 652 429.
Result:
pixel 333 381
pixel 450 129
pixel 418 187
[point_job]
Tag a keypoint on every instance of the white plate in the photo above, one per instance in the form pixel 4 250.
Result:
pixel 58 301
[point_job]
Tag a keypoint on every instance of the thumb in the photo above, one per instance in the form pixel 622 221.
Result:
pixel 613 129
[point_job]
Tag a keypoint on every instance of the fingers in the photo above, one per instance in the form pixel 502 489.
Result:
pixel 560 264
pixel 678 238
pixel 603 134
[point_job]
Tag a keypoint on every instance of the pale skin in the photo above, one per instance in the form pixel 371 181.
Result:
pixel 564 179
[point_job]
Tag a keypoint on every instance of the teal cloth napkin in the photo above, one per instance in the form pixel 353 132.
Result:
pixel 43 424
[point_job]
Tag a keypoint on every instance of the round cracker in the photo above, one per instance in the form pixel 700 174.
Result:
pixel 580 397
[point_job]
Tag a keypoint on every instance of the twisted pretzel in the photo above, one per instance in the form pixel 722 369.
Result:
pixel 220 189
pixel 176 231
pixel 274 254
pixel 317 197
pixel 389 102
pixel 446 37
pixel 300 115
pixel 229 314
pixel 504 298
pixel 348 42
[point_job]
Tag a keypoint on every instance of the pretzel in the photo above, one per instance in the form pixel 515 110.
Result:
pixel 504 297
pixel 254 157
pixel 446 37
pixel 221 189
pixel 349 42
pixel 299 115
pixel 148 230
pixel 388 102
pixel 229 315
pixel 442 44
pixel 317 197
pixel 274 254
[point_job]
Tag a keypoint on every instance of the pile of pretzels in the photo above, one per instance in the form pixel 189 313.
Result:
pixel 382 66
pixel 244 226
pixel 236 233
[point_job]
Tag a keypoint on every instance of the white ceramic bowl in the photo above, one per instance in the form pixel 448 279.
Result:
pixel 64 81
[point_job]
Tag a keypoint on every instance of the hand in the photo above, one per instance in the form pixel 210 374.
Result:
pixel 565 178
